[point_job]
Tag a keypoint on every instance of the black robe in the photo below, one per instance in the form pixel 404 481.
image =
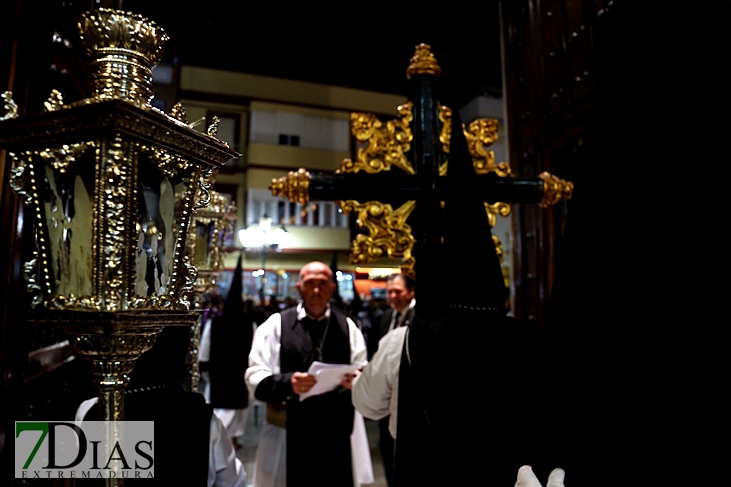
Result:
pixel 463 405
pixel 231 337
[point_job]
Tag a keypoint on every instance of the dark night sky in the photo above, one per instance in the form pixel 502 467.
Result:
pixel 344 46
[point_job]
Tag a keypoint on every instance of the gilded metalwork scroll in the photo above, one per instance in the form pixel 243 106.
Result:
pixel 386 146
pixel 502 209
pixel 445 134
pixel 481 134
pixel 388 233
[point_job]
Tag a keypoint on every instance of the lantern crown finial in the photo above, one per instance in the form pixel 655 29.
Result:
pixel 122 48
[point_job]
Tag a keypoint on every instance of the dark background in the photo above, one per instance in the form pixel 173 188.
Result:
pixel 366 46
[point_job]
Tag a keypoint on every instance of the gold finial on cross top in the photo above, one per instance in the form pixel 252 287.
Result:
pixel 423 62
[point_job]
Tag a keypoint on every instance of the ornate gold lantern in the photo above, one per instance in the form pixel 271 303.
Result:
pixel 211 228
pixel 113 183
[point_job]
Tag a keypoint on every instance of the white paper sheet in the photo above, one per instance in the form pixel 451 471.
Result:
pixel 328 377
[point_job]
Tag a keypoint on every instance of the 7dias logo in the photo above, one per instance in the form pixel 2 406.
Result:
pixel 92 449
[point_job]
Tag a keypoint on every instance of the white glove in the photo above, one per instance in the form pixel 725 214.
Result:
pixel 526 478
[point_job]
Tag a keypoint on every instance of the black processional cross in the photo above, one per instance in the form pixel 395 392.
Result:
pixel 418 145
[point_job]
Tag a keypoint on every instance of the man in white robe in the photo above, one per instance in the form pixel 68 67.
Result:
pixel 315 442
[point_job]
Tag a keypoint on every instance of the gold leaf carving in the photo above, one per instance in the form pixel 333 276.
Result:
pixel 481 134
pixel 116 181
pixel 502 209
pixel 169 163
pixel 387 145
pixel 203 197
pixel 445 135
pixel 63 156
pixel 388 233
pixel 189 279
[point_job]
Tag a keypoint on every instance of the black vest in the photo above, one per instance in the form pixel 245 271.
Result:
pixel 320 426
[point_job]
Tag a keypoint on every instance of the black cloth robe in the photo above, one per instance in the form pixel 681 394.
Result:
pixel 462 400
pixel 231 336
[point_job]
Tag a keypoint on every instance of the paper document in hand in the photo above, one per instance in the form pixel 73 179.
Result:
pixel 328 377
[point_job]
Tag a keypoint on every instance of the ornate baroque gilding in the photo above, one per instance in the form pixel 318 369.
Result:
pixel 555 189
pixel 423 62
pixel 295 186
pixel 502 209
pixel 388 233
pixel 445 134
pixel 386 146
pixel 481 134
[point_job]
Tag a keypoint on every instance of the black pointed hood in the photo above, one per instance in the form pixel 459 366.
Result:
pixel 234 303
pixel 467 233
pixel 231 337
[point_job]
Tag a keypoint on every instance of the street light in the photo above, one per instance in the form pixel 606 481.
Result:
pixel 267 240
